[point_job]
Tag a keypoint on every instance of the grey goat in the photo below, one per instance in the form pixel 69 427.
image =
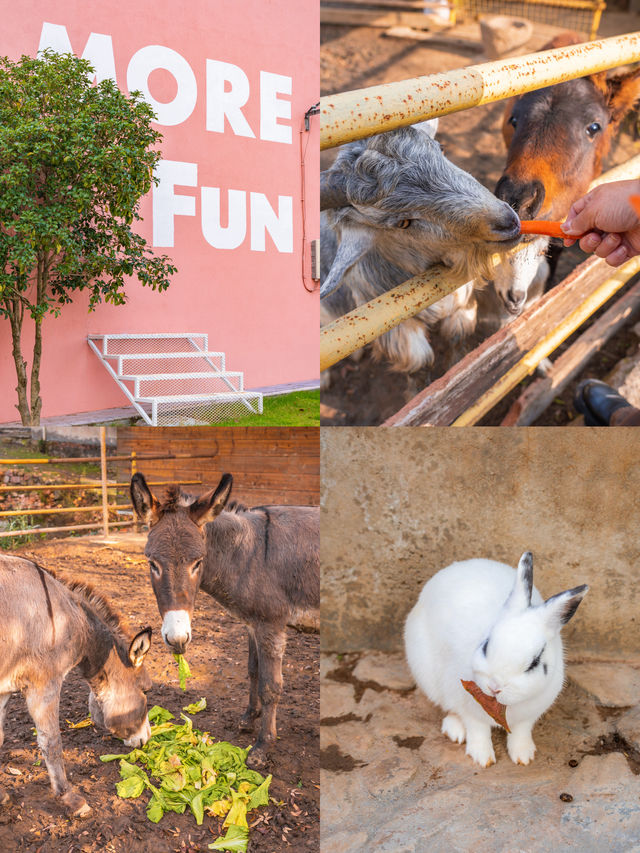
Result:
pixel 395 206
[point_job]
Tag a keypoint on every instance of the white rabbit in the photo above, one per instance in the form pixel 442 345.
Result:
pixel 483 621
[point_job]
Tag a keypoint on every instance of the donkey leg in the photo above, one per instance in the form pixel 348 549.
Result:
pixel 44 707
pixel 271 643
pixel 4 698
pixel 253 711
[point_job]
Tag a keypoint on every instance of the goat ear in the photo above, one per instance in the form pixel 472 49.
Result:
pixel 430 127
pixel 139 647
pixel 623 91
pixel 561 607
pixel 211 504
pixel 353 245
pixel 333 193
pixel 520 596
pixel 146 507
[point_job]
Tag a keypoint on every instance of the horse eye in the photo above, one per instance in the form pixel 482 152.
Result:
pixel 513 121
pixel 404 224
pixel 155 569
pixel 593 128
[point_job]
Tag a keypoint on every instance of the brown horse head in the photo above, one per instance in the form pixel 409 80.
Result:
pixel 558 136
pixel 176 550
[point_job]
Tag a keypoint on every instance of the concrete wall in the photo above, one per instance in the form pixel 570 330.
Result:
pixel 399 504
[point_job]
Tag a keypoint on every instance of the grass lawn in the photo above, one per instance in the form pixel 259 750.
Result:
pixel 300 408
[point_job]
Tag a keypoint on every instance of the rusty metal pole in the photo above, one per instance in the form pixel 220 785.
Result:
pixel 103 477
pixel 365 112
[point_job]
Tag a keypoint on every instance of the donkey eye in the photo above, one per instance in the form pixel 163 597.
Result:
pixel 513 121
pixel 195 568
pixel 404 224
pixel 155 569
pixel 593 128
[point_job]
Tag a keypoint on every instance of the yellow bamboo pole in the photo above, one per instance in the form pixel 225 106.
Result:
pixel 367 322
pixel 548 344
pixel 365 112
pixel 103 478
pixel 67 528
pixel 88 487
pixel 10 513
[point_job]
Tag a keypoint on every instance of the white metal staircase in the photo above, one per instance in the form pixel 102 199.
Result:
pixel 174 379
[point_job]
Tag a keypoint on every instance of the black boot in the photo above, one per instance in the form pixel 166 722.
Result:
pixel 597 401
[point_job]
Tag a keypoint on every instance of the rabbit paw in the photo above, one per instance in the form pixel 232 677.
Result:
pixel 521 747
pixel 480 749
pixel 453 728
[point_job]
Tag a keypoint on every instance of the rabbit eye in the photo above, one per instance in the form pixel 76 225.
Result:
pixel 535 662
pixel 485 646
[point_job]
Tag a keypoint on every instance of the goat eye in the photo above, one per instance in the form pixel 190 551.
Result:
pixel 513 121
pixel 155 569
pixel 593 128
pixel 404 224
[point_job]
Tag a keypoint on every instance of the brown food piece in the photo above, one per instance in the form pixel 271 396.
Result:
pixel 490 704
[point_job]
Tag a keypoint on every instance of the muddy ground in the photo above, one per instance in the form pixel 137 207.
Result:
pixel 35 822
pixel 366 393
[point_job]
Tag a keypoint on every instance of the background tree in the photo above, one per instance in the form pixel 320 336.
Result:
pixel 75 159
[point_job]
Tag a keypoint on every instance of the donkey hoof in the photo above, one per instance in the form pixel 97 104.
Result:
pixel 246 723
pixel 76 805
pixel 257 758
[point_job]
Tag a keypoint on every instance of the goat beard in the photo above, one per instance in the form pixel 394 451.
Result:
pixel 474 261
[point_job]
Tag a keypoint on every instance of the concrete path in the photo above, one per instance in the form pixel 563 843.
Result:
pixel 392 783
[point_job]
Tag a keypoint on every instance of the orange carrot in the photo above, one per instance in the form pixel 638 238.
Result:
pixel 635 203
pixel 490 704
pixel 541 226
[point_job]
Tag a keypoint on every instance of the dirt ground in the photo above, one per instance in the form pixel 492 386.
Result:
pixel 35 822
pixel 366 393
pixel 392 783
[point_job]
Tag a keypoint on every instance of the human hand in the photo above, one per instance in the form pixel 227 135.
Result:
pixel 604 222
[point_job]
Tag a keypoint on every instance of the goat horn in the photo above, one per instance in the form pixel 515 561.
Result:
pixel 332 194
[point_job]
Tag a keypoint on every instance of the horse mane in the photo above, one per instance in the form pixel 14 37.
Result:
pixel 94 599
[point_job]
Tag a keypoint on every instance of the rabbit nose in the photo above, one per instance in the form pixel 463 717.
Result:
pixel 493 687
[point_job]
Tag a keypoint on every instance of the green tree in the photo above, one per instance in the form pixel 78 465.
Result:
pixel 75 159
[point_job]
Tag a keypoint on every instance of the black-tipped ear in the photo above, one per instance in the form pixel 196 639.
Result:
pixel 520 596
pixel 211 504
pixel 145 505
pixel 561 607
pixel 139 647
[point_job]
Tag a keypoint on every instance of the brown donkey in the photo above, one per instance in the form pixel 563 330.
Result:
pixel 261 564
pixel 49 627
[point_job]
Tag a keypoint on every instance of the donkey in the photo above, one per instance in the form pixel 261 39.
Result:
pixel 556 140
pixel 261 564
pixel 49 627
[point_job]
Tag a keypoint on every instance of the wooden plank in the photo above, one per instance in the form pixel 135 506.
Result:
pixel 445 399
pixel 400 5
pixel 384 20
pixel 539 394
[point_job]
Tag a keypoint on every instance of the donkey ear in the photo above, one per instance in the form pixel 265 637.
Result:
pixel 520 596
pixel 145 505
pixel 623 91
pixel 139 647
pixel 211 504
pixel 354 244
pixel 561 607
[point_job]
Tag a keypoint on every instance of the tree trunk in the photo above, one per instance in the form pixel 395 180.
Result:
pixel 16 316
pixel 42 282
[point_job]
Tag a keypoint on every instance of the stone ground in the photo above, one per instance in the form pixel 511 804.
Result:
pixel 392 783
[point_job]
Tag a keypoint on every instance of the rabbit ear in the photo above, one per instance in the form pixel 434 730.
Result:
pixel 520 596
pixel 561 607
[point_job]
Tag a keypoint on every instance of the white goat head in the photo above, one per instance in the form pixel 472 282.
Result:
pixel 397 204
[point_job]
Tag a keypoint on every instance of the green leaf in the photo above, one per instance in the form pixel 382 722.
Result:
pixel 158 715
pixel 154 809
pixel 131 787
pixel 260 797
pixel 237 838
pixel 195 707
pixel 183 670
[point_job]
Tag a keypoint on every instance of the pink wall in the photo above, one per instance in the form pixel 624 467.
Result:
pixel 252 303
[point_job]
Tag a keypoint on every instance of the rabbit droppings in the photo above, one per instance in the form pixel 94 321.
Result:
pixel 483 620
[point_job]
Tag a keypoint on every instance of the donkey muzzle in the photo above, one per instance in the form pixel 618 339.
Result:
pixel 140 737
pixel 176 630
